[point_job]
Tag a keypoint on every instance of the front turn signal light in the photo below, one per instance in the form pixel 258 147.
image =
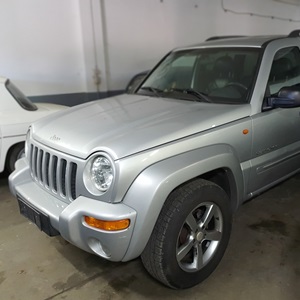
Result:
pixel 107 225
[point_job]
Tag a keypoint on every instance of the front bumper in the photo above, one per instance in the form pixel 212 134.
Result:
pixel 68 219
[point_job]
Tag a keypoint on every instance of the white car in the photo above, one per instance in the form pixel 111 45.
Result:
pixel 17 112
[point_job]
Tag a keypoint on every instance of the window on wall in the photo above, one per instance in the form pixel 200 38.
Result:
pixel 285 69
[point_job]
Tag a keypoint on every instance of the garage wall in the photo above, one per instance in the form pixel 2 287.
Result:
pixel 41 46
pixel 139 34
pixel 72 51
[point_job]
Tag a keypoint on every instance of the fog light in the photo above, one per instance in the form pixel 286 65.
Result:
pixel 107 225
pixel 98 248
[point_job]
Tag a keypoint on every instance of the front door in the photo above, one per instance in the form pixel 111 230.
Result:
pixel 276 132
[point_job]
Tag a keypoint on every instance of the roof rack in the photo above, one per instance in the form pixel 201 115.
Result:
pixel 213 38
pixel 295 33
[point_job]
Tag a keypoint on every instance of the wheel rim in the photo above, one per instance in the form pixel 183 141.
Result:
pixel 199 237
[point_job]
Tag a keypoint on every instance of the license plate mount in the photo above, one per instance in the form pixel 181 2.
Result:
pixel 41 220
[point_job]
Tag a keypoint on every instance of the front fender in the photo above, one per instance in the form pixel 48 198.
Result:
pixel 151 188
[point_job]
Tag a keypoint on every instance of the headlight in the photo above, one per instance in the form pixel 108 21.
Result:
pixel 99 174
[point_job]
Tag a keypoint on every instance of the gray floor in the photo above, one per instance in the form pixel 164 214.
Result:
pixel 262 261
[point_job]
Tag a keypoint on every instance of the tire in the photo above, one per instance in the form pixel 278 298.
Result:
pixel 15 153
pixel 190 235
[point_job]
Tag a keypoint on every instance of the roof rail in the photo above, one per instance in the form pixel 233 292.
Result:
pixel 213 38
pixel 295 33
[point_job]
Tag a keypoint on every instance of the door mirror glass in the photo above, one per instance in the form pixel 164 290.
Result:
pixel 286 97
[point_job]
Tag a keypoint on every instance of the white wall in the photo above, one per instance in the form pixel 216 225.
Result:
pixel 54 46
pixel 141 31
pixel 41 45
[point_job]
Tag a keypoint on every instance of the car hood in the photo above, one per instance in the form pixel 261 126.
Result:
pixel 127 124
pixel 49 107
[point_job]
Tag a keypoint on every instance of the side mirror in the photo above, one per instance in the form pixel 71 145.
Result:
pixel 288 96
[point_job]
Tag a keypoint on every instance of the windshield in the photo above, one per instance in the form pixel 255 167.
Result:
pixel 20 97
pixel 217 75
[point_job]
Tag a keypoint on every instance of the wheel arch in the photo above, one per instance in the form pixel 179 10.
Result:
pixel 9 151
pixel 152 187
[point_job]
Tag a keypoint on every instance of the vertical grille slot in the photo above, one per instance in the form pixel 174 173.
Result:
pixel 55 173
pixel 34 162
pixel 40 154
pixel 46 169
pixel 63 176
pixel 73 180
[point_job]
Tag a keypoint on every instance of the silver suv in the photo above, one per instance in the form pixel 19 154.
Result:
pixel 159 173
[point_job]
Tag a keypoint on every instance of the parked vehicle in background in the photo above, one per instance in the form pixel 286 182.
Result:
pixel 159 173
pixel 135 81
pixel 17 112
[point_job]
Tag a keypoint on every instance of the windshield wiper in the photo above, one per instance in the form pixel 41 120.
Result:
pixel 200 96
pixel 154 90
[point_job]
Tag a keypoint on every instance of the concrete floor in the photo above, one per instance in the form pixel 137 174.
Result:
pixel 262 261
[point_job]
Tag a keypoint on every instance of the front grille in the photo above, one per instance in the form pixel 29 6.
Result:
pixel 54 172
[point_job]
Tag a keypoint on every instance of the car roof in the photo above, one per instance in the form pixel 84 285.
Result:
pixel 240 41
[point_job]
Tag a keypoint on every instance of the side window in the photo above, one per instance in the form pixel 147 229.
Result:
pixel 285 69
